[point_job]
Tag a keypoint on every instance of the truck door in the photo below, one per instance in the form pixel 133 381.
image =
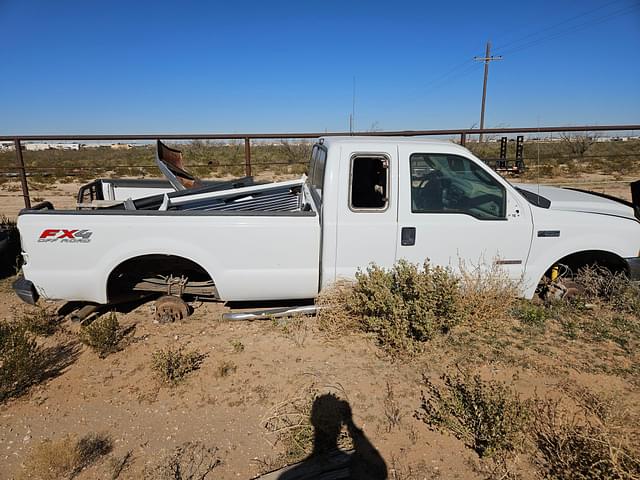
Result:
pixel 459 213
pixel 367 224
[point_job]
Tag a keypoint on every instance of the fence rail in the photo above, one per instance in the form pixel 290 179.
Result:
pixel 248 137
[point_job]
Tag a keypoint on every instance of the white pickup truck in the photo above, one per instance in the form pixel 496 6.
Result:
pixel 365 199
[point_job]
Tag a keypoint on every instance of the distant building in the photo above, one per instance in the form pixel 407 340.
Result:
pixel 64 146
pixel 120 146
pixel 35 147
pixel 95 145
pixel 38 147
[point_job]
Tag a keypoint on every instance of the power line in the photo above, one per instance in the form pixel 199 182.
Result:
pixel 560 24
pixel 488 58
pixel 448 73
pixel 567 31
pixel 452 78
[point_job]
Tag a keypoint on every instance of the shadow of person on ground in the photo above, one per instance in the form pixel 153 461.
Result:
pixel 328 415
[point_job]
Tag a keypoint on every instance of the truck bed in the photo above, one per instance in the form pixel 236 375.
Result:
pixel 284 198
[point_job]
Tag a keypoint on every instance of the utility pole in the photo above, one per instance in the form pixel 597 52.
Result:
pixel 486 59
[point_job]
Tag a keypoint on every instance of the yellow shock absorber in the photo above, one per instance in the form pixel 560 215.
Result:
pixel 555 273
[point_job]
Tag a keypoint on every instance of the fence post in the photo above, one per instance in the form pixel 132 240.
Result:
pixel 23 173
pixel 247 156
pixel 463 139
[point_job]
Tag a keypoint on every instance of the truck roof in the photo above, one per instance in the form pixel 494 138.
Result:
pixel 366 139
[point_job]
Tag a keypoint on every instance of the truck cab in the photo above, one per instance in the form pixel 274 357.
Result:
pixel 387 198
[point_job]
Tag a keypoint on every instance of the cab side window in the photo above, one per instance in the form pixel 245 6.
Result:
pixel 442 183
pixel 369 183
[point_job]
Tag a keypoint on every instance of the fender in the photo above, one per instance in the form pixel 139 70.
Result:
pixel 203 259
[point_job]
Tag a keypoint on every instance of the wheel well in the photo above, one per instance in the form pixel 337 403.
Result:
pixel 122 278
pixel 601 258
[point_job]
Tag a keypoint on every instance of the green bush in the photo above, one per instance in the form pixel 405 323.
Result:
pixel 532 315
pixel 406 304
pixel 20 360
pixel 103 335
pixel 488 416
pixel 172 366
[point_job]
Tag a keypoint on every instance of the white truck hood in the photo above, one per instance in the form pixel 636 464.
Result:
pixel 575 201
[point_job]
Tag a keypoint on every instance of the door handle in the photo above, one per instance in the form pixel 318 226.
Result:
pixel 408 236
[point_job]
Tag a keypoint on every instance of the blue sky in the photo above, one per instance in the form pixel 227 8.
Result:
pixel 146 67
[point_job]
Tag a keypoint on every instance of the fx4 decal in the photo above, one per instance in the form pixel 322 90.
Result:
pixel 63 235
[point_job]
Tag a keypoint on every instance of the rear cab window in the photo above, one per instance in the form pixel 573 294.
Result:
pixel 369 183
pixel 317 167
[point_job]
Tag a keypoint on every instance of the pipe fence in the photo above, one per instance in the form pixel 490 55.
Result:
pixel 247 138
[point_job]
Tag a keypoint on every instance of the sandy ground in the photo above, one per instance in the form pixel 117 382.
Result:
pixel 119 396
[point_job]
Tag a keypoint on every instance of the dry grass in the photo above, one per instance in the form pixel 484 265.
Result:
pixel 601 440
pixel 65 458
pixel 297 329
pixel 334 318
pixel 189 461
pixel 614 290
pixel 487 294
pixel 392 412
pixel 291 423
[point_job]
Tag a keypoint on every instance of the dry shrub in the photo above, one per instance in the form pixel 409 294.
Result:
pixel 103 335
pixel 392 412
pixel 21 360
pixel 237 345
pixel 173 365
pixel 41 321
pixel 294 423
pixel 189 461
pixel 225 368
pixel 406 304
pixel 334 318
pixel 614 289
pixel 600 441
pixel 65 458
pixel 487 415
pixel 297 328
pixel 488 295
